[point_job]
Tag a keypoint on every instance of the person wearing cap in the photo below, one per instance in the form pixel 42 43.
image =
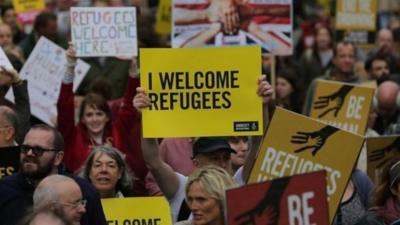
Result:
pixel 206 151
pixel 386 197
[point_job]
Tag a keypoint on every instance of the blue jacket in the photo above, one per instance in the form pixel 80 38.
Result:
pixel 16 194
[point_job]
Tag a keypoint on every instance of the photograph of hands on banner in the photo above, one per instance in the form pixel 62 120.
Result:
pixel 199 23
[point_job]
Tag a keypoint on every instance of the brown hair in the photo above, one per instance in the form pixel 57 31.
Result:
pixel 97 102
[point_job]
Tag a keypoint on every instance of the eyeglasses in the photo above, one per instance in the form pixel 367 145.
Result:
pixel 36 150
pixel 79 203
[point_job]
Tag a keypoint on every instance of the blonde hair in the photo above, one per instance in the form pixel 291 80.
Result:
pixel 214 179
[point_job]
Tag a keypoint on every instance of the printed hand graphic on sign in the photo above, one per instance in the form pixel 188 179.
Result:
pixel 382 155
pixel 313 140
pixel 267 210
pixel 339 97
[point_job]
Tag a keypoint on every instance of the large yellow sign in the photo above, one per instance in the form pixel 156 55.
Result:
pixel 145 210
pixel 21 6
pixel 356 15
pixel 295 144
pixel 342 105
pixel 380 150
pixel 201 92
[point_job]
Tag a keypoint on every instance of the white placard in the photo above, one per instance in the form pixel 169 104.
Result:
pixel 44 71
pixel 104 31
pixel 4 61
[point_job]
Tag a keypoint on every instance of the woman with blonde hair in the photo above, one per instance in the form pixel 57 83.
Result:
pixel 205 195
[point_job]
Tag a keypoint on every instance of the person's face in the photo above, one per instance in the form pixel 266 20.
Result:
pixel 380 69
pixel 38 167
pixel 5 35
pixel 205 209
pixel 283 88
pixel 104 173
pixel 241 147
pixel 323 38
pixel 10 17
pixel 6 131
pixel 50 30
pixel 386 108
pixel 94 119
pixel 218 158
pixel 385 40
pixel 71 204
pixel 344 59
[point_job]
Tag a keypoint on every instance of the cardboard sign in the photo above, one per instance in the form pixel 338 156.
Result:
pixel 380 150
pixel 267 23
pixel 144 210
pixel 300 199
pixel 342 105
pixel 356 21
pixel 9 160
pixel 296 144
pixel 44 71
pixel 201 92
pixel 163 17
pixel 4 61
pixel 104 31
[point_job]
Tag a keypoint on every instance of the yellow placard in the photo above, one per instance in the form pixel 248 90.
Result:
pixel 380 150
pixel 342 105
pixel 201 91
pixel 21 6
pixel 163 17
pixel 143 210
pixel 356 15
pixel 296 144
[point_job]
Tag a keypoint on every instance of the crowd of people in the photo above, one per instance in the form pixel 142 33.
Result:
pixel 96 149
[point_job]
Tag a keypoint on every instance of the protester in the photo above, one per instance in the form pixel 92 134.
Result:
pixel 386 197
pixel 288 92
pixel 106 169
pixel 41 156
pixel 62 194
pixel 96 125
pixel 386 104
pixel 205 195
pixel 240 145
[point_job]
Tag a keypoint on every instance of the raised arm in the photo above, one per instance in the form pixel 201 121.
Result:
pixel 65 103
pixel 164 175
pixel 264 90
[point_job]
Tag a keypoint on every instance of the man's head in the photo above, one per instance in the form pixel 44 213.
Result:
pixel 5 35
pixel 41 152
pixel 384 40
pixel 46 25
pixel 8 126
pixel 212 151
pixel 62 194
pixel 44 216
pixel 378 68
pixel 387 99
pixel 344 58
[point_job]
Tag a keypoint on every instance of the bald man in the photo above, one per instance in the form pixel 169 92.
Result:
pixel 384 40
pixel 63 194
pixel 388 112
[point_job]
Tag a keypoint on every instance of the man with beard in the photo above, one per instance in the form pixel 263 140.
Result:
pixel 41 156
pixel 386 105
pixel 62 194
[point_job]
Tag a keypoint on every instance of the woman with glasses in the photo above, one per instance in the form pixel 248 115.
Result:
pixel 96 125
pixel 205 195
pixel 106 169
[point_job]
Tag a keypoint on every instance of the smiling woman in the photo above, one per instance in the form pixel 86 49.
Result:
pixel 105 168
pixel 205 195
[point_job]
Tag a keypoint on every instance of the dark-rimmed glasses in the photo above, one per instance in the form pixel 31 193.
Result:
pixel 36 150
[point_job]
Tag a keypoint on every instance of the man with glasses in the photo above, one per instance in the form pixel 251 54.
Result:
pixel 62 194
pixel 41 156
